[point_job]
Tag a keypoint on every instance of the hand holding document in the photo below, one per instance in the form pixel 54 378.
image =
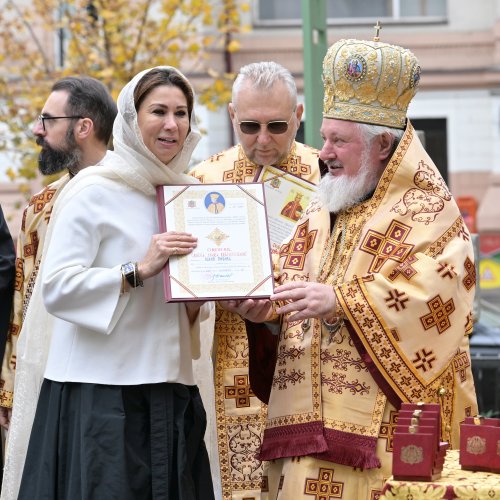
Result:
pixel 233 256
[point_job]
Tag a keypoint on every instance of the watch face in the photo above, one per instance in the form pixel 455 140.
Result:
pixel 128 268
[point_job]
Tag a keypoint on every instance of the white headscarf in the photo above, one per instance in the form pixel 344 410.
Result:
pixel 132 163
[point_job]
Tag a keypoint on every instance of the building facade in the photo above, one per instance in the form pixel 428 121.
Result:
pixel 457 106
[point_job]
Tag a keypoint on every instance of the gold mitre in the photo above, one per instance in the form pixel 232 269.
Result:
pixel 369 82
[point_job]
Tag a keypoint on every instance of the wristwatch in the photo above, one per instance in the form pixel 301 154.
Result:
pixel 129 270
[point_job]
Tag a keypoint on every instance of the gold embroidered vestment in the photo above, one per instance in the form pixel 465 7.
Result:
pixel 34 224
pixel 239 414
pixel 401 265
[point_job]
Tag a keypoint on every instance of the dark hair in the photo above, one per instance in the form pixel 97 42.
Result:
pixel 162 76
pixel 89 98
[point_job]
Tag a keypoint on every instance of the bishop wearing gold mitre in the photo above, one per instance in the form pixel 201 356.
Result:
pixel 375 286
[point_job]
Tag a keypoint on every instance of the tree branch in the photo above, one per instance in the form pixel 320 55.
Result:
pixel 32 34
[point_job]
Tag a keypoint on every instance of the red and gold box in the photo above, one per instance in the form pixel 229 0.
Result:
pixel 425 424
pixel 480 444
pixel 418 453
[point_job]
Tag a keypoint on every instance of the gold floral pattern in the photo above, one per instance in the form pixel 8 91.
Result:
pixel 366 93
pixel 343 90
pixel 388 96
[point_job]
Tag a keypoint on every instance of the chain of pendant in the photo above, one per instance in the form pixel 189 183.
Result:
pixel 332 260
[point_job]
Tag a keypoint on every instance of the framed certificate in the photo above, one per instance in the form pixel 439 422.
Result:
pixel 287 196
pixel 233 256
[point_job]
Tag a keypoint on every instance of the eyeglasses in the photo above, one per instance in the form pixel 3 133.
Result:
pixel 43 119
pixel 273 127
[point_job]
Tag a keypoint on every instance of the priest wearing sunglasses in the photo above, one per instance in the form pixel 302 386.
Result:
pixel 266 116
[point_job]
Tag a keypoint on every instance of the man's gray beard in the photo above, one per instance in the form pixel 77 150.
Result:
pixel 52 161
pixel 340 193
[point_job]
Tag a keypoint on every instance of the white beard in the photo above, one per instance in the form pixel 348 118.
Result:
pixel 339 193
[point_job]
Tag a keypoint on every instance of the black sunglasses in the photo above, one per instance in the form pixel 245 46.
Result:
pixel 251 127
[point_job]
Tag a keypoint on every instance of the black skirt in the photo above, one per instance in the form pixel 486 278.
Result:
pixel 101 442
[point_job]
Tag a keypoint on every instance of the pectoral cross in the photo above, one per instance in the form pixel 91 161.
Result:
pixel 377 27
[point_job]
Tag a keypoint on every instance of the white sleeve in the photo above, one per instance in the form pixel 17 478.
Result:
pixel 74 288
pixel 203 323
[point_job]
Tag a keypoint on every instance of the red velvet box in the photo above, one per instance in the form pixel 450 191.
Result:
pixel 480 444
pixel 418 454
pixel 425 425
pixel 432 410
pixel 415 458
pixel 443 447
pixel 421 406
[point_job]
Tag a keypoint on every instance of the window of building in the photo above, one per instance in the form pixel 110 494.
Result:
pixel 348 11
pixel 435 134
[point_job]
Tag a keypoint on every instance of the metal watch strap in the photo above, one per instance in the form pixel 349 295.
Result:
pixel 129 270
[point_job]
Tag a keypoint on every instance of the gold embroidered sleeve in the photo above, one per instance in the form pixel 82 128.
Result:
pixel 9 360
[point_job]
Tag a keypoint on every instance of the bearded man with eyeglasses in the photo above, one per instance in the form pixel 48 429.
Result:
pixel 266 116
pixel 73 132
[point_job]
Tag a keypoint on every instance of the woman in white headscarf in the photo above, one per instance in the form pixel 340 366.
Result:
pixel 119 415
